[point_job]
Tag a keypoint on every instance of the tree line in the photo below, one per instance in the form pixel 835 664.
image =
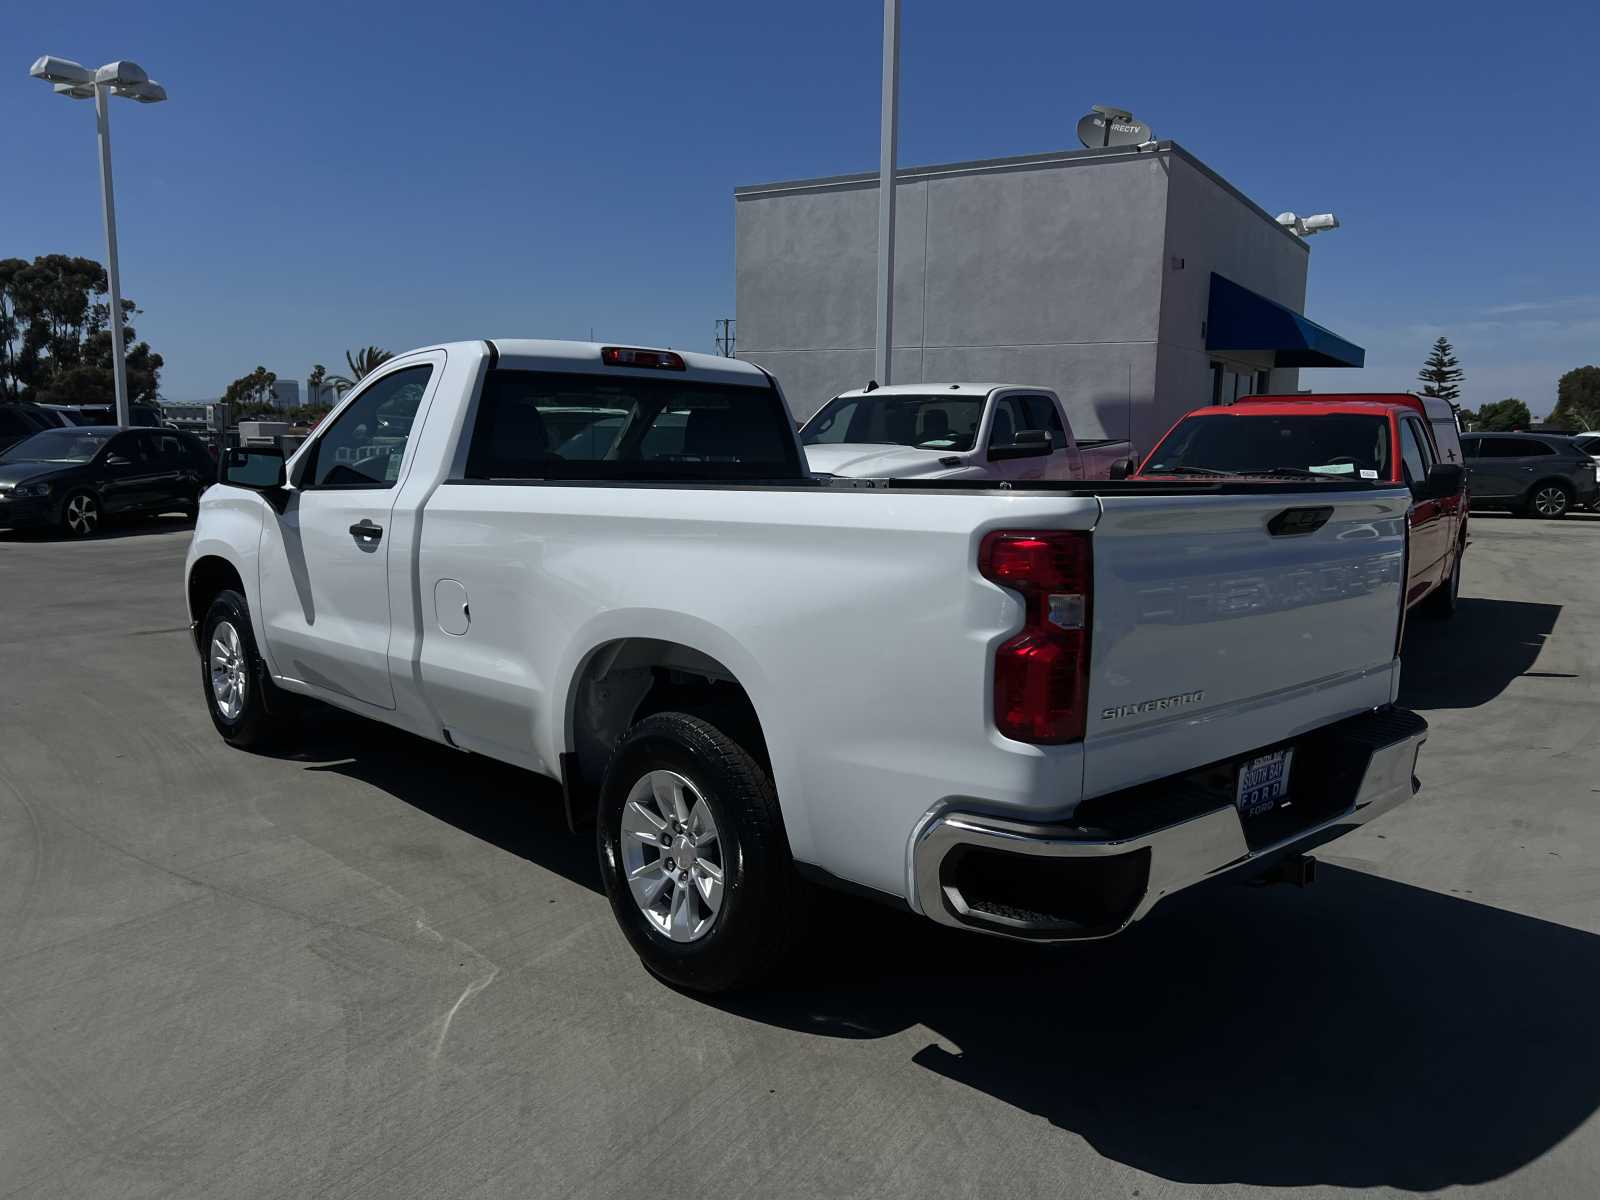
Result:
pixel 1577 396
pixel 253 395
pixel 55 335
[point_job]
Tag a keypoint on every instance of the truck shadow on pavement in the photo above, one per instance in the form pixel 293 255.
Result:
pixel 1361 1033
pixel 1470 659
pixel 516 810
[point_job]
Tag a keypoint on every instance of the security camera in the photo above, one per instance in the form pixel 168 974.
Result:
pixel 1306 226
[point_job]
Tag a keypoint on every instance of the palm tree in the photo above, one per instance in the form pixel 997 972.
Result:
pixel 361 364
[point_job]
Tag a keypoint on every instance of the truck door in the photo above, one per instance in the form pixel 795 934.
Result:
pixel 1493 461
pixel 1044 413
pixel 1429 529
pixel 1009 417
pixel 325 561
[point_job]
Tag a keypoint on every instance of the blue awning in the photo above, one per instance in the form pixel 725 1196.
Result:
pixel 1240 319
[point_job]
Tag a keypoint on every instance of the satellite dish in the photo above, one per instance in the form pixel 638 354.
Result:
pixel 1112 127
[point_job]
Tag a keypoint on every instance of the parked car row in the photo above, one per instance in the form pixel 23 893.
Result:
pixel 75 477
pixel 1032 706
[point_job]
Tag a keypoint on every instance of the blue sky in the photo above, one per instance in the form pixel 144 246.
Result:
pixel 331 175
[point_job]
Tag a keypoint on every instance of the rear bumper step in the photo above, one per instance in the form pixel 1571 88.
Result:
pixel 1108 867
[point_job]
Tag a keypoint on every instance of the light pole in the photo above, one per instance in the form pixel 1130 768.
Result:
pixel 80 83
pixel 888 137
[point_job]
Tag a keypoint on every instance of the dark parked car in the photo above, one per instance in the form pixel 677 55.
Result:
pixel 76 477
pixel 1540 474
pixel 144 416
pixel 20 420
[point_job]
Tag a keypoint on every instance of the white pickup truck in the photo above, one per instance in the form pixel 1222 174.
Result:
pixel 1033 709
pixel 953 431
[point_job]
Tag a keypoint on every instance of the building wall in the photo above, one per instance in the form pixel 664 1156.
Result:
pixel 1211 228
pixel 1044 270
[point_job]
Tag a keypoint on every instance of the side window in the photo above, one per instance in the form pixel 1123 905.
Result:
pixel 1471 447
pixel 1008 418
pixel 1423 444
pixel 1411 453
pixel 364 446
pixel 1043 415
pixel 1532 449
pixel 131 447
pixel 835 427
pixel 169 450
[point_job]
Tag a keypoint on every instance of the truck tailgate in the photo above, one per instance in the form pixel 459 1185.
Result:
pixel 1229 626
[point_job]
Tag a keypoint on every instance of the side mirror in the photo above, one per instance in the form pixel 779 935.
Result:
pixel 1120 469
pixel 1028 443
pixel 117 460
pixel 1443 481
pixel 259 468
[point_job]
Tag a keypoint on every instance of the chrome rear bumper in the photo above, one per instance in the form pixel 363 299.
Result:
pixel 1133 872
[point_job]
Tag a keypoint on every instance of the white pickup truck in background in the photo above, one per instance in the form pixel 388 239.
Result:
pixel 1032 710
pixel 953 431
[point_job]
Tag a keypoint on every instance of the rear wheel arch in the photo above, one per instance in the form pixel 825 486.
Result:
pixel 622 682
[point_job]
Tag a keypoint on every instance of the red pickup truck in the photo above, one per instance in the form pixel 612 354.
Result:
pixel 1385 438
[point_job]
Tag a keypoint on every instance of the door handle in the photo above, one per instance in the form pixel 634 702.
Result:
pixel 365 531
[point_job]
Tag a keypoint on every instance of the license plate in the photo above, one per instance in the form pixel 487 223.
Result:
pixel 1263 782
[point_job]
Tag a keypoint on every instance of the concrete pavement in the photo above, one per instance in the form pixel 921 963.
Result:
pixel 380 968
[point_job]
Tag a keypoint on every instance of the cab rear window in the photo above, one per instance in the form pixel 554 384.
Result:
pixel 534 425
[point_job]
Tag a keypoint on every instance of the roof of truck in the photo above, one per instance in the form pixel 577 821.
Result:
pixel 530 352
pixel 554 355
pixel 1418 404
pixel 1275 406
pixel 928 389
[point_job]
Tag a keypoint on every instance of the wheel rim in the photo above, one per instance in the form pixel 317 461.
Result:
pixel 672 856
pixel 229 679
pixel 83 514
pixel 1550 502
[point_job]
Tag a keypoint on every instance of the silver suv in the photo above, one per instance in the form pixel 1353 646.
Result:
pixel 1540 474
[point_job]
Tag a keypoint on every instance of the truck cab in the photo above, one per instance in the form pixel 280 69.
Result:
pixel 952 431
pixel 1399 439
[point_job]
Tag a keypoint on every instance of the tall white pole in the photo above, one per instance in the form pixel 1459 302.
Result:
pixel 889 129
pixel 119 363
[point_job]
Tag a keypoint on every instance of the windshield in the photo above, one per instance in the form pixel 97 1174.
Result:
pixel 927 422
pixel 57 445
pixel 1338 445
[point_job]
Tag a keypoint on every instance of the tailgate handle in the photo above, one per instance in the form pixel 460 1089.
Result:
pixel 1299 520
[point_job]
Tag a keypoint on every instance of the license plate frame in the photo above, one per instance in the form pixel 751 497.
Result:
pixel 1263 782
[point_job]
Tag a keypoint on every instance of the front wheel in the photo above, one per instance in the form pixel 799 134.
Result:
pixel 694 855
pixel 1550 501
pixel 1444 601
pixel 248 711
pixel 80 514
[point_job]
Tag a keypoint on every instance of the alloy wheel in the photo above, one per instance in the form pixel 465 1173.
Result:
pixel 83 514
pixel 229 679
pixel 672 856
pixel 1550 501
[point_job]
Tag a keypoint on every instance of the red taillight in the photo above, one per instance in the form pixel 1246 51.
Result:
pixel 626 356
pixel 1041 676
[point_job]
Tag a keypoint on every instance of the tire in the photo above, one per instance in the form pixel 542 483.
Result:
pixel 1442 604
pixel 251 714
pixel 80 514
pixel 679 761
pixel 1550 500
